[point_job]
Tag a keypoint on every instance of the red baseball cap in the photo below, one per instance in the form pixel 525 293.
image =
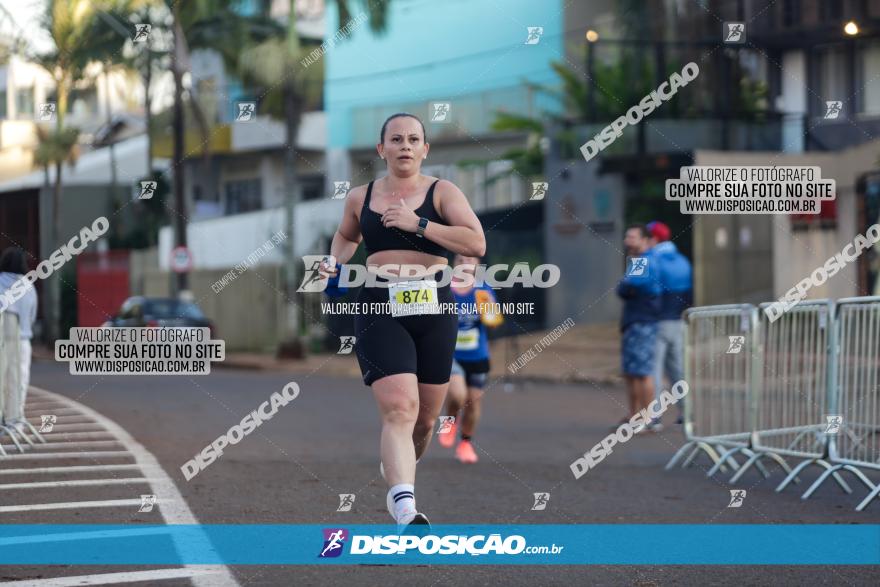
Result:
pixel 659 231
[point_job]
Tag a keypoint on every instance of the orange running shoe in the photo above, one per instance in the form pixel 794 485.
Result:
pixel 447 439
pixel 465 452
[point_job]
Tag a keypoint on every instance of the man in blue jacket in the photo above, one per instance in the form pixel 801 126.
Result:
pixel 640 291
pixel 676 282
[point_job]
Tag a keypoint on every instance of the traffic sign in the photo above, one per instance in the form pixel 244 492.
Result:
pixel 181 260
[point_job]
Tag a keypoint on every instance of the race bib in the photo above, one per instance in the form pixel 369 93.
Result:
pixel 413 298
pixel 468 340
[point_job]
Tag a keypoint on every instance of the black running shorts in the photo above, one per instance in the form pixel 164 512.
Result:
pixel 423 344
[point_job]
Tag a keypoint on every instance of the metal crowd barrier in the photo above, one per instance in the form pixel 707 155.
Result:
pixel 794 391
pixel 805 386
pixel 854 442
pixel 717 415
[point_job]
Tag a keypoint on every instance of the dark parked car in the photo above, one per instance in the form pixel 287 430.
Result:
pixel 143 311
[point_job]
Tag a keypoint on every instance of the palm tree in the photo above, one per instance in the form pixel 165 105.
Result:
pixel 613 80
pixel 79 38
pixel 279 57
pixel 68 23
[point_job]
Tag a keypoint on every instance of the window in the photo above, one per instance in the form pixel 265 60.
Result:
pixel 131 309
pixel 83 103
pixel 312 187
pixel 791 13
pixel 24 102
pixel 169 308
pixel 244 195
pixel 869 64
pixel 832 10
pixel 2 103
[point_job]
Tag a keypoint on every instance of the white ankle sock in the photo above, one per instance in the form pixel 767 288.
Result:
pixel 404 498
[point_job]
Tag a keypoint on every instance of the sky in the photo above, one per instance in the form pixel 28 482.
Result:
pixel 26 14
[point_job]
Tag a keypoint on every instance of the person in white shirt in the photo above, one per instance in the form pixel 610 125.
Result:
pixel 13 266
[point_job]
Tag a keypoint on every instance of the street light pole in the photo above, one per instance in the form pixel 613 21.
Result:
pixel 178 136
pixel 591 37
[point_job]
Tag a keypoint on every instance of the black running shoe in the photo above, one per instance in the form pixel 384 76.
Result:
pixel 417 526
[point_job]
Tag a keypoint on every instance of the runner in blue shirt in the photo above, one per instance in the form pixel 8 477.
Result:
pixel 477 313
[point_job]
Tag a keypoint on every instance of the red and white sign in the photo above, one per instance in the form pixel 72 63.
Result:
pixel 181 260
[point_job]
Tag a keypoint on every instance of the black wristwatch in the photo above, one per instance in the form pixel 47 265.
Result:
pixel 423 224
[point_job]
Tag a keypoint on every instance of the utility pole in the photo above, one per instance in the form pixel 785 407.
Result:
pixel 178 130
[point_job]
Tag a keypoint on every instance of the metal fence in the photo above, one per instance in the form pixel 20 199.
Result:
pixel 794 390
pixel 717 421
pixel 805 386
pixel 854 421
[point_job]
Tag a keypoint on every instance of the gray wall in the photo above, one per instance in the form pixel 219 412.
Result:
pixel 583 229
pixel 248 312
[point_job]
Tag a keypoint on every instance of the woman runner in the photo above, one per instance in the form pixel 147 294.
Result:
pixel 405 353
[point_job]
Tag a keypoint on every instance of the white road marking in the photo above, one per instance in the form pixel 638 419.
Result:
pixel 174 509
pixel 66 455
pixel 197 574
pixel 98 434
pixel 72 469
pixel 70 505
pixel 57 411
pixel 75 483
pixel 86 427
pixel 74 444
pixel 67 420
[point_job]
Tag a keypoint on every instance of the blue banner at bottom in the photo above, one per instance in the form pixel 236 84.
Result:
pixel 610 544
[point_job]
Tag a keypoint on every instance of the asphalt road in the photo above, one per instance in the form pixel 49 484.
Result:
pixel 325 442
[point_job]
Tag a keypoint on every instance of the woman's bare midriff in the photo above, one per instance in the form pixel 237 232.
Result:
pixel 423 260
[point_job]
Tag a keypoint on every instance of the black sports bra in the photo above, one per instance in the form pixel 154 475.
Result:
pixel 378 238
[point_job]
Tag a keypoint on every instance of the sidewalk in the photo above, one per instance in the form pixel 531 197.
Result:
pixel 584 354
pixel 589 353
